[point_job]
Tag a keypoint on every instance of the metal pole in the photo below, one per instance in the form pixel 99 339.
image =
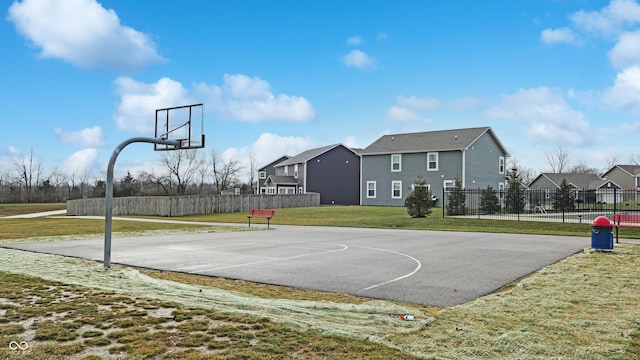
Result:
pixel 108 197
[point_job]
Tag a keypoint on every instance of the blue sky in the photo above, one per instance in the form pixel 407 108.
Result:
pixel 280 77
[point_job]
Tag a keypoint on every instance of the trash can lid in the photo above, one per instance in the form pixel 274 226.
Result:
pixel 601 221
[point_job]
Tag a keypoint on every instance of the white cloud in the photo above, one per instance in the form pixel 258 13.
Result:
pixel 80 162
pixel 83 33
pixel 354 40
pixel 626 90
pixel 407 108
pixel 549 116
pixel 251 99
pixel 267 148
pixel 416 103
pixel 139 101
pixel 611 20
pixel 626 52
pixel 401 114
pixel 553 36
pixel 271 146
pixel 359 59
pixel 382 37
pixel 89 137
pixel 351 142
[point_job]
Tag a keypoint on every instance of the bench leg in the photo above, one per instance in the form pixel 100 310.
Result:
pixel 249 221
pixel 617 234
pixel 268 222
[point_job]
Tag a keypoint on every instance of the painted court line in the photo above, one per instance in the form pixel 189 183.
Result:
pixel 398 278
pixel 344 247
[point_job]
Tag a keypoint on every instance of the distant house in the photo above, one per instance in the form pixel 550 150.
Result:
pixel 625 177
pixel 392 163
pixel 266 171
pixel 333 171
pixel 586 187
pixel 546 181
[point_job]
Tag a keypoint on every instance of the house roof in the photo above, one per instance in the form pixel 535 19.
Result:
pixel 633 170
pixel 580 181
pixel 281 180
pixel 311 154
pixel 443 140
pixel 275 162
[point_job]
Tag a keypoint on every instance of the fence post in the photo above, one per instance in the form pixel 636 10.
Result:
pixel 615 200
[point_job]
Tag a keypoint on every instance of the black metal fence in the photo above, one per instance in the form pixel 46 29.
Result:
pixel 568 205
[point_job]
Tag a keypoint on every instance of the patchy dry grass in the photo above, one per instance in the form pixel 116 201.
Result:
pixel 61 321
pixel 584 307
pixel 19 209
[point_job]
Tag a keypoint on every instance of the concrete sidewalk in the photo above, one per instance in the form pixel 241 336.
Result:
pixel 35 215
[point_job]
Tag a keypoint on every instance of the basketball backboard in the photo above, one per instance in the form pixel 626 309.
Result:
pixel 184 124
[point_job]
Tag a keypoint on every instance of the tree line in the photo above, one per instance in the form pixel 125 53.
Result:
pixel 183 172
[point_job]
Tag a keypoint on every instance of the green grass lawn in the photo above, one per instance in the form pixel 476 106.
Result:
pixel 584 307
pixel 397 218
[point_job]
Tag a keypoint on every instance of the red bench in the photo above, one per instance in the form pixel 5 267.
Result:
pixel 261 213
pixel 625 221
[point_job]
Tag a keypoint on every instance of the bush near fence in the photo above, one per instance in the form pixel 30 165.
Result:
pixel 189 204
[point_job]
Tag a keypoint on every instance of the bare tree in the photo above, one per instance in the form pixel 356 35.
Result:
pixel 225 172
pixel 582 168
pixel 558 160
pixel 525 174
pixel 59 182
pixel 28 171
pixel 182 166
pixel 252 170
pixel 612 160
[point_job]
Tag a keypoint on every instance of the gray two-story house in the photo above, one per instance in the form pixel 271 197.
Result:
pixel 333 171
pixel 266 171
pixel 392 163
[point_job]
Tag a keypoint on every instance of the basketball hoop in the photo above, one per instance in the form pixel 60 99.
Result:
pixel 182 124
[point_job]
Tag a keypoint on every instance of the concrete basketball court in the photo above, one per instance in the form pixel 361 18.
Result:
pixel 424 267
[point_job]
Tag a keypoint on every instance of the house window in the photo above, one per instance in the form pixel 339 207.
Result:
pixel 295 171
pixel 396 189
pixel 428 186
pixel 271 191
pixel 501 165
pixel 286 170
pixel 262 175
pixel 396 162
pixel 432 161
pixel 286 190
pixel 371 189
pixel 448 185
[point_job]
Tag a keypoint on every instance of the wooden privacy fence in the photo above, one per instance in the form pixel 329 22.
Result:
pixel 189 204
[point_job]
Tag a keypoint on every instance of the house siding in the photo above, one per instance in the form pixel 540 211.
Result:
pixel 481 161
pixel 621 177
pixel 269 169
pixel 542 183
pixel 378 168
pixel 483 164
pixel 335 175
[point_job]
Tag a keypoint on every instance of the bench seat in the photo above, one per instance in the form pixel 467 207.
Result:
pixel 625 221
pixel 261 213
